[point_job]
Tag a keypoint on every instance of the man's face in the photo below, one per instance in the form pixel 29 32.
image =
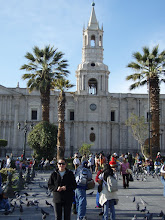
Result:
pixel 61 165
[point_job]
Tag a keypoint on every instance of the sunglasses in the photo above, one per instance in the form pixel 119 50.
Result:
pixel 61 163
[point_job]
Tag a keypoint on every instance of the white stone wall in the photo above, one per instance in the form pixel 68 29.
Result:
pixel 109 136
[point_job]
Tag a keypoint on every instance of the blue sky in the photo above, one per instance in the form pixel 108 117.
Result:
pixel 128 26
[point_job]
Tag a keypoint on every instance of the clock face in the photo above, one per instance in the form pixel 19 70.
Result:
pixel 93 107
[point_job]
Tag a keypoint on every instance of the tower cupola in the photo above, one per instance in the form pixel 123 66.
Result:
pixel 92 40
pixel 92 73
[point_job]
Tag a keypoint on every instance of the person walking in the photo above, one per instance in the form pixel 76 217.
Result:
pixel 107 199
pixel 76 162
pixel 123 171
pixel 162 171
pixel 98 191
pixel 62 183
pixel 91 162
pixel 8 161
pixel 97 163
pixel 84 158
pixel 82 175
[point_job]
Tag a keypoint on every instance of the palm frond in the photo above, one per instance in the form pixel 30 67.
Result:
pixel 137 56
pixel 155 51
pixel 146 51
pixel 30 57
pixel 134 65
pixel 134 77
pixel 137 84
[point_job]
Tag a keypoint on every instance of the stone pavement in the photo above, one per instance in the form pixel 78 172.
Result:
pixel 150 191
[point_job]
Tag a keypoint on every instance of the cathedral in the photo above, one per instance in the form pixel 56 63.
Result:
pixel 93 115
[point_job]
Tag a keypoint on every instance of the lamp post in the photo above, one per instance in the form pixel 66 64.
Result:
pixel 149 109
pixel 25 128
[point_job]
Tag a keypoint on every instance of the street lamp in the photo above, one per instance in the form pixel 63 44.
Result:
pixel 149 109
pixel 25 128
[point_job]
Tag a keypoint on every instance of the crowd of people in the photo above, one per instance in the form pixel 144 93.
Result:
pixel 69 187
pixel 73 187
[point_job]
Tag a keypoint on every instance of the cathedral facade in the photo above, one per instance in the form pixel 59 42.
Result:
pixel 93 115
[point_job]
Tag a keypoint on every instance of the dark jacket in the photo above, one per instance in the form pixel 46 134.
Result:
pixel 68 180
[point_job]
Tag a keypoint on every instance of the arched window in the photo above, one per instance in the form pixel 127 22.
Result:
pixel 92 137
pixel 100 41
pixel 92 84
pixel 93 41
pixel 85 40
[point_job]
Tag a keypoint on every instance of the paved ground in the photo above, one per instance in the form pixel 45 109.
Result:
pixel 151 191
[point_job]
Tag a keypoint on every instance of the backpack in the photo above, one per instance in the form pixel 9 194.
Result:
pixel 112 184
pixel 82 177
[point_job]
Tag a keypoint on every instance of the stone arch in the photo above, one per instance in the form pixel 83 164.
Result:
pixel 92 86
pixel 100 41
pixel 93 41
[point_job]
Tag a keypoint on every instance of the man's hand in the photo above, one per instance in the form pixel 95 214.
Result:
pixel 61 188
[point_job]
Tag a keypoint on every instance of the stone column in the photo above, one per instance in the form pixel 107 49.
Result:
pixel 99 136
pixel 5 108
pixel 108 136
pixel 100 108
pixel 1 105
pixel 75 135
pixel 9 131
pixel 68 129
pixel 84 132
pixel 85 108
pixel 10 109
pixel 16 113
pixel 75 123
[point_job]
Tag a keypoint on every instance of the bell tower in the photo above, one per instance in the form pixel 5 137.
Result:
pixel 92 75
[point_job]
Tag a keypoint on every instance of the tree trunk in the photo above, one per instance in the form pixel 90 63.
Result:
pixel 61 126
pixel 155 112
pixel 45 100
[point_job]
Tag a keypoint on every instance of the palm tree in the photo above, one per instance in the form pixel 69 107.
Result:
pixel 44 66
pixel 62 85
pixel 148 69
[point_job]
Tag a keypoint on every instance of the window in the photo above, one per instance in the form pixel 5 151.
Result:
pixel 112 115
pixel 34 115
pixel 85 40
pixel 100 42
pixel 92 137
pixel 92 85
pixel 93 41
pixel 71 116
pixel 92 64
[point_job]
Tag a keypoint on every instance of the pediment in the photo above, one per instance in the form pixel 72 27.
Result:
pixel 8 91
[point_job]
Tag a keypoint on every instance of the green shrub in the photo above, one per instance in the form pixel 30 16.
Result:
pixel 4 173
pixel 3 143
pixel 85 149
pixel 42 139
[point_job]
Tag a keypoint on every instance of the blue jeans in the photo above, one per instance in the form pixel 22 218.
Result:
pixel 80 196
pixel 163 182
pixel 109 204
pixel 4 204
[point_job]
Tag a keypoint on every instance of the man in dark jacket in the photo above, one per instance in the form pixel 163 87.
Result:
pixel 62 183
